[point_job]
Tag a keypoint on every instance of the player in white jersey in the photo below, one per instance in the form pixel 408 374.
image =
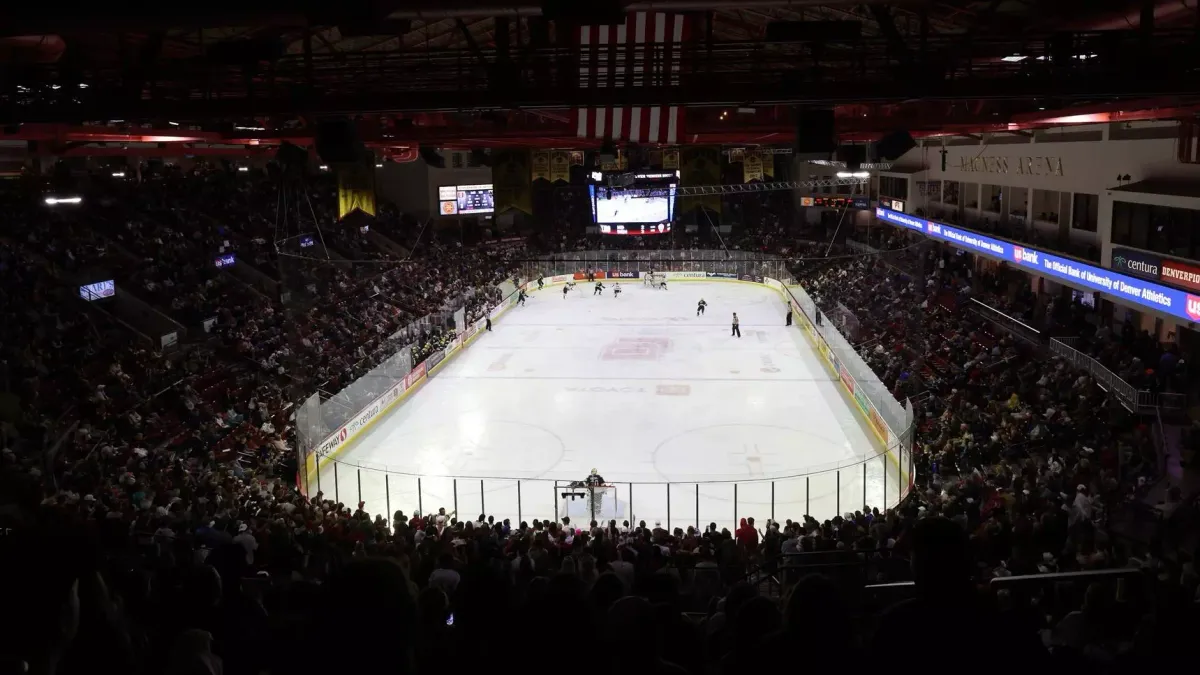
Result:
pixel 617 290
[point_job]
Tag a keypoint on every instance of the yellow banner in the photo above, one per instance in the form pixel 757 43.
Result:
pixel 701 165
pixel 670 159
pixel 511 181
pixel 356 187
pixel 560 166
pixel 752 165
pixel 541 165
pixel 619 163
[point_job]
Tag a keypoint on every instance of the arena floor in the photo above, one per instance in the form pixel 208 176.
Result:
pixel 641 389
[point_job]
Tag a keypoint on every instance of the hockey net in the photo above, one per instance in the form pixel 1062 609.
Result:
pixel 585 503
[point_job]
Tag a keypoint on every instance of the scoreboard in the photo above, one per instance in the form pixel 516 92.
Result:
pixel 636 229
pixel 461 200
pixel 837 202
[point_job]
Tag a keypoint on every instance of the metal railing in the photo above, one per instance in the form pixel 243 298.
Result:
pixel 1133 399
pixel 1011 325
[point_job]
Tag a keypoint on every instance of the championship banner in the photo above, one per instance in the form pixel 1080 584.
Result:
pixel 701 165
pixel 768 166
pixel 511 181
pixel 737 155
pixel 541 165
pixel 752 165
pixel 356 186
pixel 620 163
pixel 560 166
pixel 670 159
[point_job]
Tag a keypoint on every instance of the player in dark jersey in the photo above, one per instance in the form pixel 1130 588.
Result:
pixel 599 289
pixel 700 307
pixel 566 287
pixel 521 297
pixel 539 283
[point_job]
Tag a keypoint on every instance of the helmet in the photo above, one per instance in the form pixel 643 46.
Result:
pixel 594 472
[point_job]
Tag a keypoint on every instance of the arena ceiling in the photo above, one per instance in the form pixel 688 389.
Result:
pixel 486 73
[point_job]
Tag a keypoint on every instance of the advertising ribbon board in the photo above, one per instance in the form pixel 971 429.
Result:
pixel 1139 292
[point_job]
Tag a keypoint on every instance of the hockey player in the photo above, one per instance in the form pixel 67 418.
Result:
pixel 617 290
pixel 599 289
pixel 737 330
pixel 521 297
pixel 700 307
pixel 539 283
pixel 566 287
pixel 662 284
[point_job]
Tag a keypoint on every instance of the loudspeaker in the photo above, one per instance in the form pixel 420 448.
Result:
pixel 338 142
pixel 432 158
pixel 894 145
pixel 852 155
pixel 815 131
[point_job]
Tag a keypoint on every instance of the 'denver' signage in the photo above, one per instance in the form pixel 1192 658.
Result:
pixel 1181 274
pixel 1137 263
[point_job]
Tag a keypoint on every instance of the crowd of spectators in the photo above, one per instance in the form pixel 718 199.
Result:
pixel 165 533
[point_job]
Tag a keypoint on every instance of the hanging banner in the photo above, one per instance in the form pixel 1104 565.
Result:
pixel 671 159
pixel 736 155
pixel 511 181
pixel 576 158
pixel 560 166
pixel 701 165
pixel 619 163
pixel 541 165
pixel 356 186
pixel 752 165
pixel 768 166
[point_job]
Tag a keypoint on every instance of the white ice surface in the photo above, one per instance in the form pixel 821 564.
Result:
pixel 641 389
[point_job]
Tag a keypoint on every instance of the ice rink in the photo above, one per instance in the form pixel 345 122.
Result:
pixel 690 424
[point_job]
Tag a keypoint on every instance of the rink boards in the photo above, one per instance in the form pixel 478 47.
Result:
pixel 344 438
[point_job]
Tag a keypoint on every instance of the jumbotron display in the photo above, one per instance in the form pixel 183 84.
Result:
pixel 642 206
pixel 464 200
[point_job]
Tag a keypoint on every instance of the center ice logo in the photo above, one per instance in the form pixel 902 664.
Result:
pixel 635 348
pixel 1193 307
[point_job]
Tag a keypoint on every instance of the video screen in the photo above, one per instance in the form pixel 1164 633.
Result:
pixel 636 205
pixel 98 290
pixel 464 200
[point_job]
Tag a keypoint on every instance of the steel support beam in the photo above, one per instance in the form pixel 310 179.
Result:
pixel 752 188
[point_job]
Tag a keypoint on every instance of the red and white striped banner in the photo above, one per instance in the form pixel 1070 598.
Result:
pixel 644 52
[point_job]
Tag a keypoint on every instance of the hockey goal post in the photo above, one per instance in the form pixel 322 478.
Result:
pixel 585 503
